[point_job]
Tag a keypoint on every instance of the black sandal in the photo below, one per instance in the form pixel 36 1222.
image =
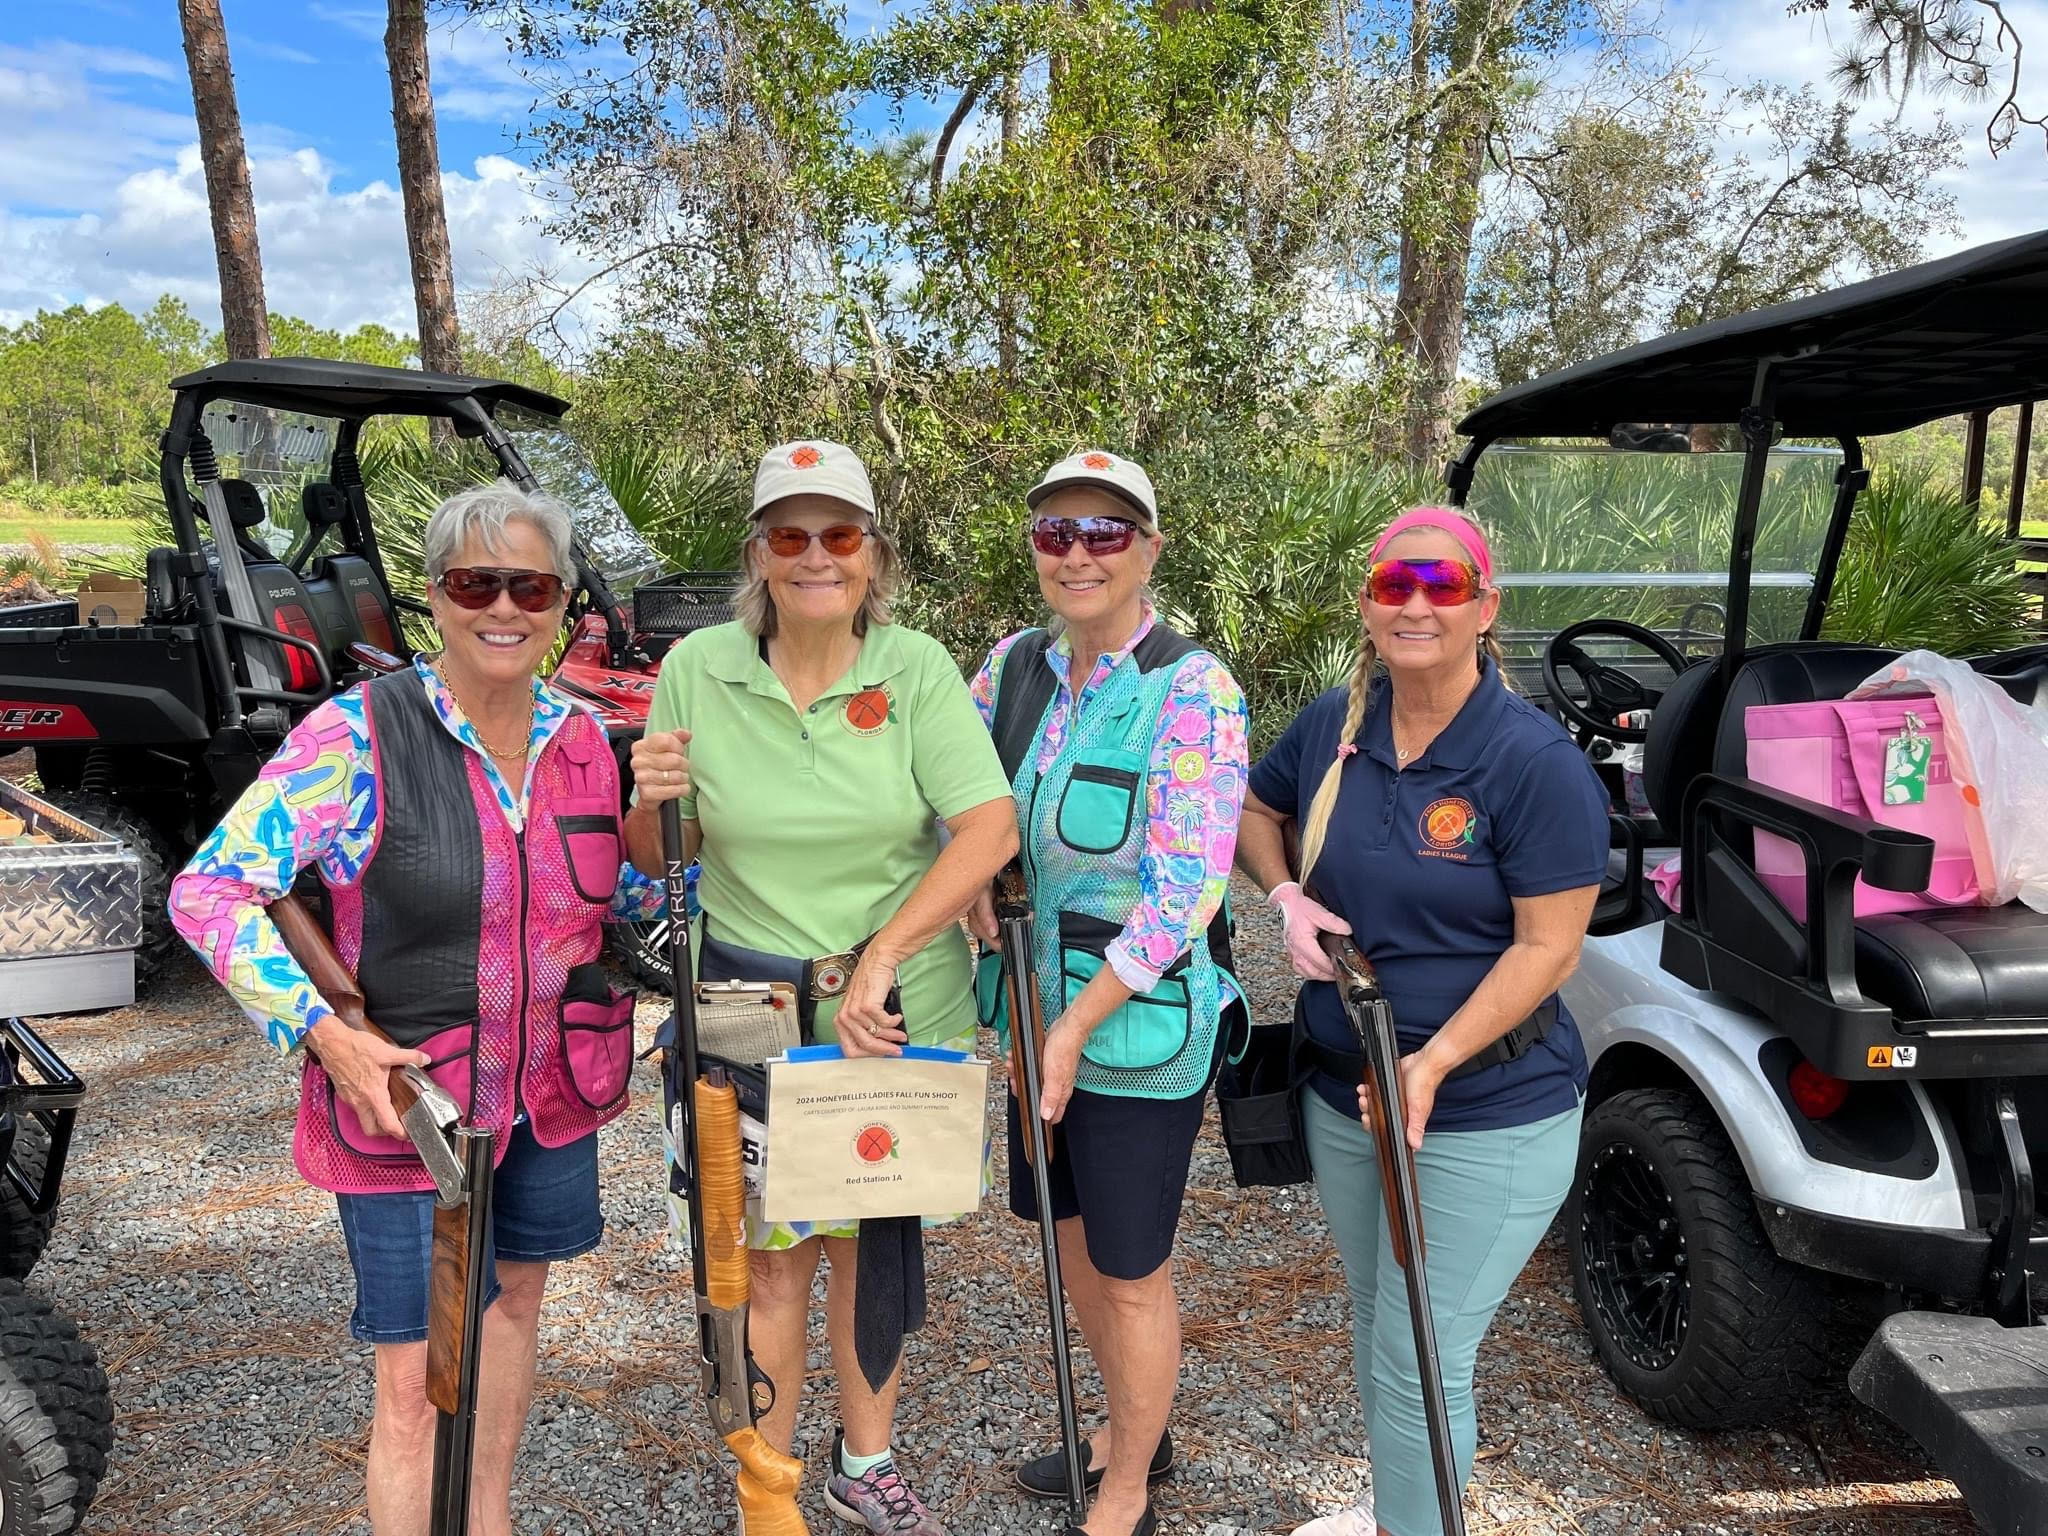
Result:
pixel 1045 1477
pixel 1148 1525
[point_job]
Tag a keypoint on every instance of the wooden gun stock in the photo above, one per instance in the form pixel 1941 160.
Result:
pixel 448 1280
pixel 316 955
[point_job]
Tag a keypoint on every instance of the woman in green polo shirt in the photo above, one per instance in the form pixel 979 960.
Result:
pixel 813 747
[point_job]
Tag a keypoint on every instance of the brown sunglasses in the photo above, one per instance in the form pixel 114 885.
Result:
pixel 478 586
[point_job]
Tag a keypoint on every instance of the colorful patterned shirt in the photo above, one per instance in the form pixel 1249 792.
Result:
pixel 1194 794
pixel 316 801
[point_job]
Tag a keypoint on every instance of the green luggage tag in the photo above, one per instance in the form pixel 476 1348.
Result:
pixel 1906 757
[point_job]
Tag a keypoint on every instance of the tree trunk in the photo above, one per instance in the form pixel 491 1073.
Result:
pixel 245 320
pixel 1006 320
pixel 1440 208
pixel 419 177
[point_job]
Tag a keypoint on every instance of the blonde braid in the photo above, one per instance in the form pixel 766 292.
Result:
pixel 1317 824
pixel 1489 642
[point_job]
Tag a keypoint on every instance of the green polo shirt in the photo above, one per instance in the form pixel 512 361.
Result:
pixel 818 825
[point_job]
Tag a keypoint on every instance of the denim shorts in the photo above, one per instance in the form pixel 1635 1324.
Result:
pixel 543 1207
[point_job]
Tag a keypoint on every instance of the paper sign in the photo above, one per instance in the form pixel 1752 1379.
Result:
pixel 850 1138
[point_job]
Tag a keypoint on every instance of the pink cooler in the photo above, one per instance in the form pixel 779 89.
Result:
pixel 1885 759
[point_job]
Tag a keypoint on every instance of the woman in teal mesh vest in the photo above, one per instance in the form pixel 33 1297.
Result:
pixel 1128 790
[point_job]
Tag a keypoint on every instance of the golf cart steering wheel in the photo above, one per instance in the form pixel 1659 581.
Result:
pixel 1610 692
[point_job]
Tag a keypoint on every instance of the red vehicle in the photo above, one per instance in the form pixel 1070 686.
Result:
pixel 275 595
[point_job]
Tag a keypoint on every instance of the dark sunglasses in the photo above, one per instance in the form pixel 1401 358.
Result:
pixel 478 586
pixel 1098 535
pixel 841 539
pixel 1445 583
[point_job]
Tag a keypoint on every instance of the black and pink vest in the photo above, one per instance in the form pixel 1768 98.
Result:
pixel 476 944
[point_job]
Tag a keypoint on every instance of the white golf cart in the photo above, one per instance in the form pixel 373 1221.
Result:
pixel 1776 1101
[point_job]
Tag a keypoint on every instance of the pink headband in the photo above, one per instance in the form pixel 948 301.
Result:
pixel 1453 523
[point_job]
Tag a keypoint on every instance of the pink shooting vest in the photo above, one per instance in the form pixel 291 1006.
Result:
pixel 478 945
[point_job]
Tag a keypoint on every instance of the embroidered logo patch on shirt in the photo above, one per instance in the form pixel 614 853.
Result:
pixel 869 712
pixel 1449 826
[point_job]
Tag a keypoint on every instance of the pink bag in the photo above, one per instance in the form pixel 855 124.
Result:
pixel 1885 759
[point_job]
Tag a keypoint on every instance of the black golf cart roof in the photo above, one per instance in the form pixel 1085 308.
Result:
pixel 319 386
pixel 1968 332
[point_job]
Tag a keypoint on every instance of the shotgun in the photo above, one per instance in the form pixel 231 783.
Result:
pixel 1372 1020
pixel 1027 1046
pixel 706 1129
pixel 460 1159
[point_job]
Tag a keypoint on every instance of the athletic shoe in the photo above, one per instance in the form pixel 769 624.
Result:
pixel 1355 1521
pixel 879 1500
pixel 1046 1476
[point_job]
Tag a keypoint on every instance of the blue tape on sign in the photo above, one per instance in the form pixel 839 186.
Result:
pixel 910 1053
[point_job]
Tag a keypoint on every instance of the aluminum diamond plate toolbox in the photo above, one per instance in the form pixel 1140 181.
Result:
pixel 78 894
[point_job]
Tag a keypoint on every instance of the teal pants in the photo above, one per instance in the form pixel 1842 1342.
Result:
pixel 1487 1199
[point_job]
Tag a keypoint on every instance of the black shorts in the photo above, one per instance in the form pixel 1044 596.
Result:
pixel 1119 1164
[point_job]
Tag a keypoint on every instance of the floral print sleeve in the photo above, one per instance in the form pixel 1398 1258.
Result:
pixel 990 678
pixel 639 898
pixel 316 801
pixel 1194 795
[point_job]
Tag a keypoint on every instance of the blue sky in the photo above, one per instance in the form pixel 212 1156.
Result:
pixel 101 197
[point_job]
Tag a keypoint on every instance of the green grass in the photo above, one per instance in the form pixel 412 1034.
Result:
pixel 17 525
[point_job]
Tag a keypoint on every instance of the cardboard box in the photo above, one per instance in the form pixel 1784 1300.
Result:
pixel 104 598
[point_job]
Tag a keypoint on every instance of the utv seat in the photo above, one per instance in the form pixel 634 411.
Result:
pixel 282 601
pixel 357 601
pixel 1966 987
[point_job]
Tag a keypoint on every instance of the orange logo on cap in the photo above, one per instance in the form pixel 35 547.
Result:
pixel 1449 824
pixel 1097 461
pixel 806 457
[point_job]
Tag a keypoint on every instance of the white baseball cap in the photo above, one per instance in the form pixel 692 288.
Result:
pixel 812 467
pixel 1093 466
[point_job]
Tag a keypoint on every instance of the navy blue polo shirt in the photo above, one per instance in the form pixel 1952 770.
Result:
pixel 1424 863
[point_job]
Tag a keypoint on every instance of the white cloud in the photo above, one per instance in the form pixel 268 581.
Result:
pixel 336 258
pixel 70 129
pixel 283 53
pixel 1995 197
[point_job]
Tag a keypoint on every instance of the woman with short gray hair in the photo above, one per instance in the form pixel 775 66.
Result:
pixel 463 818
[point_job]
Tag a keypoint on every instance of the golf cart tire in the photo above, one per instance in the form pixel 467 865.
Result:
pixel 156 863
pixel 56 1417
pixel 1750 1349
pixel 642 950
pixel 23 1234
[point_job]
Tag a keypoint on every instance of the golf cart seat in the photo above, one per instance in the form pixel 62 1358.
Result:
pixel 1946 992
pixel 356 601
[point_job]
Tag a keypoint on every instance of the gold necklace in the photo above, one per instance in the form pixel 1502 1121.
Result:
pixel 477 730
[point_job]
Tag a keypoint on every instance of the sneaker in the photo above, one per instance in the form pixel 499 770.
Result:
pixel 1355 1521
pixel 879 1499
pixel 1046 1476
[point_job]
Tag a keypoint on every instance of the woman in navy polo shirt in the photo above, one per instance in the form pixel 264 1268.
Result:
pixel 1458 833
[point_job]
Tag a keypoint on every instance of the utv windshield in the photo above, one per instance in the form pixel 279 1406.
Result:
pixel 1584 531
pixel 608 538
pixel 278 452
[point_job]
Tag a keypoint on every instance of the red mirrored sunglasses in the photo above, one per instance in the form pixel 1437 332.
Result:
pixel 1098 535
pixel 1445 583
pixel 478 586
pixel 841 539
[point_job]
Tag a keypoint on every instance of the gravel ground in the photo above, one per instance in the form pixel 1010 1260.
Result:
pixel 215 1285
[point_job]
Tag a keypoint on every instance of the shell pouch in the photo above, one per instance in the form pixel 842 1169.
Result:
pixel 587 818
pixel 450 1054
pixel 597 1037
pixel 990 1011
pixel 1101 799
pixel 1147 1031
pixel 590 847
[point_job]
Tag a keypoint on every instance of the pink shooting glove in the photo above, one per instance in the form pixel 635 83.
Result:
pixel 1303 917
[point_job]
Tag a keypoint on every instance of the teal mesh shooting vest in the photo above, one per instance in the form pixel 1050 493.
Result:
pixel 1083 822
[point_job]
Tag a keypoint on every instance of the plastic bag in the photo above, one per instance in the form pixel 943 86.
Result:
pixel 1999 748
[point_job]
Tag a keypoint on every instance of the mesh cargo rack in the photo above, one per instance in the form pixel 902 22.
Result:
pixel 666 610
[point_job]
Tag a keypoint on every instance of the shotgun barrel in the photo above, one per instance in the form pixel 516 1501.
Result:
pixel 1027 1043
